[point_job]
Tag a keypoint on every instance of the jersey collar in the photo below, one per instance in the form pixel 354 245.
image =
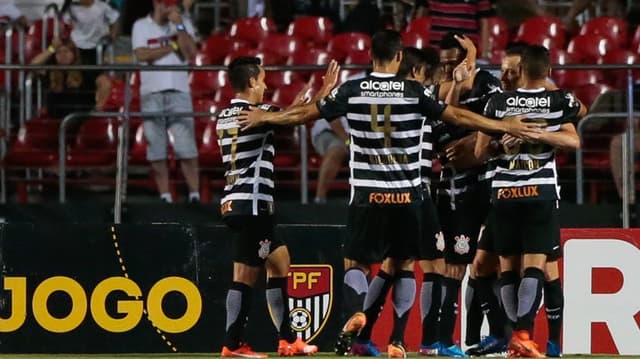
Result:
pixel 541 89
pixel 381 74
pixel 238 100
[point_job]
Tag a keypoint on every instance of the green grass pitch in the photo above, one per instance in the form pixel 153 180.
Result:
pixel 217 355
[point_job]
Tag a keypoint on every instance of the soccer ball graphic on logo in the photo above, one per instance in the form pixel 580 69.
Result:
pixel 300 319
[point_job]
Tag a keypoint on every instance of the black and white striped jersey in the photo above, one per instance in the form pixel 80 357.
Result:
pixel 427 156
pixel 453 181
pixel 386 116
pixel 528 171
pixel 248 160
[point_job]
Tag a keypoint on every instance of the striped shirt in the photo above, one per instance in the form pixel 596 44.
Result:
pixel 528 171
pixel 386 116
pixel 248 160
pixel 427 156
pixel 457 15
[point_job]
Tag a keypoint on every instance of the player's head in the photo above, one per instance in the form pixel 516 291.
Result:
pixel 386 48
pixel 536 63
pixel 511 69
pixel 434 67
pixel 247 78
pixel 451 53
pixel 413 65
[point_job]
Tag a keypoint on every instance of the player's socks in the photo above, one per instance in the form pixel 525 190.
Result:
pixel 404 294
pixel 449 310
pixel 509 294
pixel 491 306
pixel 378 290
pixel 278 302
pixel 554 305
pixel 474 313
pixel 354 290
pixel 238 306
pixel 430 301
pixel 529 297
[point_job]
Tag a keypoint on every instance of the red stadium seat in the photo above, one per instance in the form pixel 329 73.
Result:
pixel 309 57
pixel 361 57
pixel 615 29
pixel 216 47
pixel 267 58
pixel 578 78
pixel 37 25
pixel 283 96
pixel 252 29
pixel 96 144
pixel 281 44
pixel 635 42
pixel 285 141
pixel 209 152
pixel 205 83
pixel 205 105
pixel 223 95
pixel 589 48
pixel 496 56
pixel 414 39
pixel 341 45
pixel 420 25
pixel 541 29
pixel 35 146
pixel 138 151
pixel 560 57
pixel 618 78
pixel 589 92
pixel 498 34
pixel 313 29
pixel 277 79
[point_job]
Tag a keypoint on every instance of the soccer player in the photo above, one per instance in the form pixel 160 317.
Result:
pixel 523 220
pixel 385 114
pixel 247 209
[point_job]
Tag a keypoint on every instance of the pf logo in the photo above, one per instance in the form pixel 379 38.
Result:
pixel 310 298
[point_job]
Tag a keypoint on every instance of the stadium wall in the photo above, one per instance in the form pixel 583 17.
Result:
pixel 140 287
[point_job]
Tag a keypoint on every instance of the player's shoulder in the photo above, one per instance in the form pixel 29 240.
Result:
pixel 269 107
pixel 484 76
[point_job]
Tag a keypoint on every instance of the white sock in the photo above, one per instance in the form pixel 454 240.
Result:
pixel 166 197
pixel 194 196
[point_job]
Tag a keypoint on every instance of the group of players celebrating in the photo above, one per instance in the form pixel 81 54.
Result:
pixel 494 206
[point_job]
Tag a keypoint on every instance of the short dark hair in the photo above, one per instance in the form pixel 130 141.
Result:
pixel 411 58
pixel 432 57
pixel 241 69
pixel 516 48
pixel 449 42
pixel 385 44
pixel 536 62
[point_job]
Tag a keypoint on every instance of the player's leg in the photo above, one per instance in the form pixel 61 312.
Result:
pixel 554 306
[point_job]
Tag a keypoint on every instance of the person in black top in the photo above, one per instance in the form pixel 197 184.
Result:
pixel 386 114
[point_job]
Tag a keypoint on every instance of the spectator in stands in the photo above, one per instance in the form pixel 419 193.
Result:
pixel 364 17
pixel 331 141
pixel 615 8
pixel 91 20
pixel 9 11
pixel 516 12
pixel 68 90
pixel 164 37
pixel 455 15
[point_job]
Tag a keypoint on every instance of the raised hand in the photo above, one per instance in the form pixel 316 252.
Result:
pixel 528 131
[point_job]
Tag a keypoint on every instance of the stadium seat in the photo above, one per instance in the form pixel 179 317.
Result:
pixel 205 83
pixel 252 29
pixel 614 29
pixel 205 105
pixel 341 45
pixel 285 141
pixel 588 48
pixel 223 95
pixel 277 79
pixel 498 34
pixel 209 152
pixel 589 92
pixel 560 57
pixel 266 57
pixel 496 57
pixel 414 39
pixel 283 96
pixel 361 57
pixel 542 30
pixel 37 25
pixel 618 78
pixel 95 145
pixel 420 25
pixel 216 47
pixel 312 29
pixel 309 57
pixel 281 44
pixel 138 150
pixel 35 146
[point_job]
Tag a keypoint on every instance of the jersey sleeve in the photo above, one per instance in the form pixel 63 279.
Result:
pixel 570 106
pixel 485 86
pixel 490 108
pixel 429 106
pixel 335 104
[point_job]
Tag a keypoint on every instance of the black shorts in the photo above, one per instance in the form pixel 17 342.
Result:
pixel 461 226
pixel 530 227
pixel 252 238
pixel 379 232
pixel 432 243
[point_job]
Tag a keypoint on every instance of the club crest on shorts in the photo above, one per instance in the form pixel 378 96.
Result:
pixel 462 244
pixel 310 289
pixel 440 241
pixel 265 248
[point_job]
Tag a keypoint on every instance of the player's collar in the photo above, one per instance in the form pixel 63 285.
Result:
pixel 381 74
pixel 238 100
pixel 541 89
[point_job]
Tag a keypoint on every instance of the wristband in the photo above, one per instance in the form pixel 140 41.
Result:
pixel 174 45
pixel 181 27
pixel 51 49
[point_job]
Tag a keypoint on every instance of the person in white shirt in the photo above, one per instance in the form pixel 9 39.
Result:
pixel 166 38
pixel 9 12
pixel 91 20
pixel 331 141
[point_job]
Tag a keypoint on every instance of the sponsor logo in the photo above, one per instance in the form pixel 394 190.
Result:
pixel 462 244
pixel 528 165
pixel 129 310
pixel 310 290
pixel 333 94
pixel 530 102
pixel 382 85
pixel 389 198
pixel 518 192
pixel 440 241
pixel 230 112
pixel 265 248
